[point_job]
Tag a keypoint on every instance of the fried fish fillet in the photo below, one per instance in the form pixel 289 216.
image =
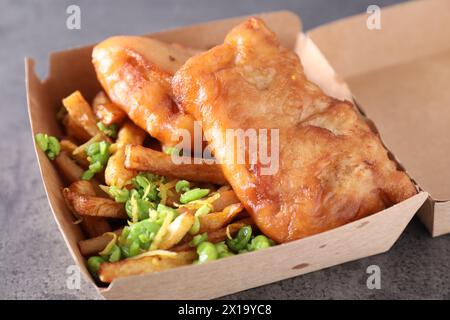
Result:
pixel 332 168
pixel 136 73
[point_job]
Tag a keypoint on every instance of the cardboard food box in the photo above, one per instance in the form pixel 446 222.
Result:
pixel 72 70
pixel 400 76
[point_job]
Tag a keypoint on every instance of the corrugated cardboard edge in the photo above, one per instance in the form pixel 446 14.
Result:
pixel 371 235
pixel 435 214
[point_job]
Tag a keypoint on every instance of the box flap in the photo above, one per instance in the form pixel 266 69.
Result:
pixel 400 76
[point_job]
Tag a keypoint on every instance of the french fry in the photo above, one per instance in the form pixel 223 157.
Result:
pixel 177 230
pixel 80 111
pixel 93 246
pixel 130 134
pixel 74 131
pixel 92 226
pixel 115 173
pixel 131 267
pixel 80 151
pixel 95 226
pixel 217 220
pixel 106 111
pixel 86 205
pixel 69 147
pixel 145 159
pixel 73 172
pixel 227 197
pixel 83 187
pixel 233 228
pixel 215 236
pixel 69 169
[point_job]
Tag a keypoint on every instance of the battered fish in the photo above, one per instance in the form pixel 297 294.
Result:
pixel 332 168
pixel 136 73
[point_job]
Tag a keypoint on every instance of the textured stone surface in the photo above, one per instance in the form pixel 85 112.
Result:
pixel 33 255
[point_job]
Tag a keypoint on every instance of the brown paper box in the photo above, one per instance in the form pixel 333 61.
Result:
pixel 400 76
pixel 72 70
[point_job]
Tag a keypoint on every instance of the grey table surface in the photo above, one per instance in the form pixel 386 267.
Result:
pixel 33 256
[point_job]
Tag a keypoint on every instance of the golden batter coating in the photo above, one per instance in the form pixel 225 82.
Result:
pixel 136 73
pixel 332 168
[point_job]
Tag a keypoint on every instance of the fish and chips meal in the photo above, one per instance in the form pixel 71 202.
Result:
pixel 141 211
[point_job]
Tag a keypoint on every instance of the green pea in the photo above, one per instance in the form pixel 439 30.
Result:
pixel 259 242
pixel 92 148
pixel 98 155
pixel 203 211
pixel 240 242
pixel 198 239
pixel 195 227
pixel 110 131
pixel 87 175
pixel 125 251
pixel 226 254
pixel 193 195
pixel 150 192
pixel 96 167
pixel 119 195
pixel 94 263
pixel 134 249
pixel 49 144
pixel 221 247
pixel 53 147
pixel 206 252
pixel 142 207
pixel 102 158
pixel 182 185
pixel 144 238
pixel 142 233
pixel 223 250
pixel 125 232
pixel 114 255
pixel 103 147
pixel 141 182
pixel 163 210
pixel 42 141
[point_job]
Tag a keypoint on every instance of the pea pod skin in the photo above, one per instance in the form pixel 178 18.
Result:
pixel 242 239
